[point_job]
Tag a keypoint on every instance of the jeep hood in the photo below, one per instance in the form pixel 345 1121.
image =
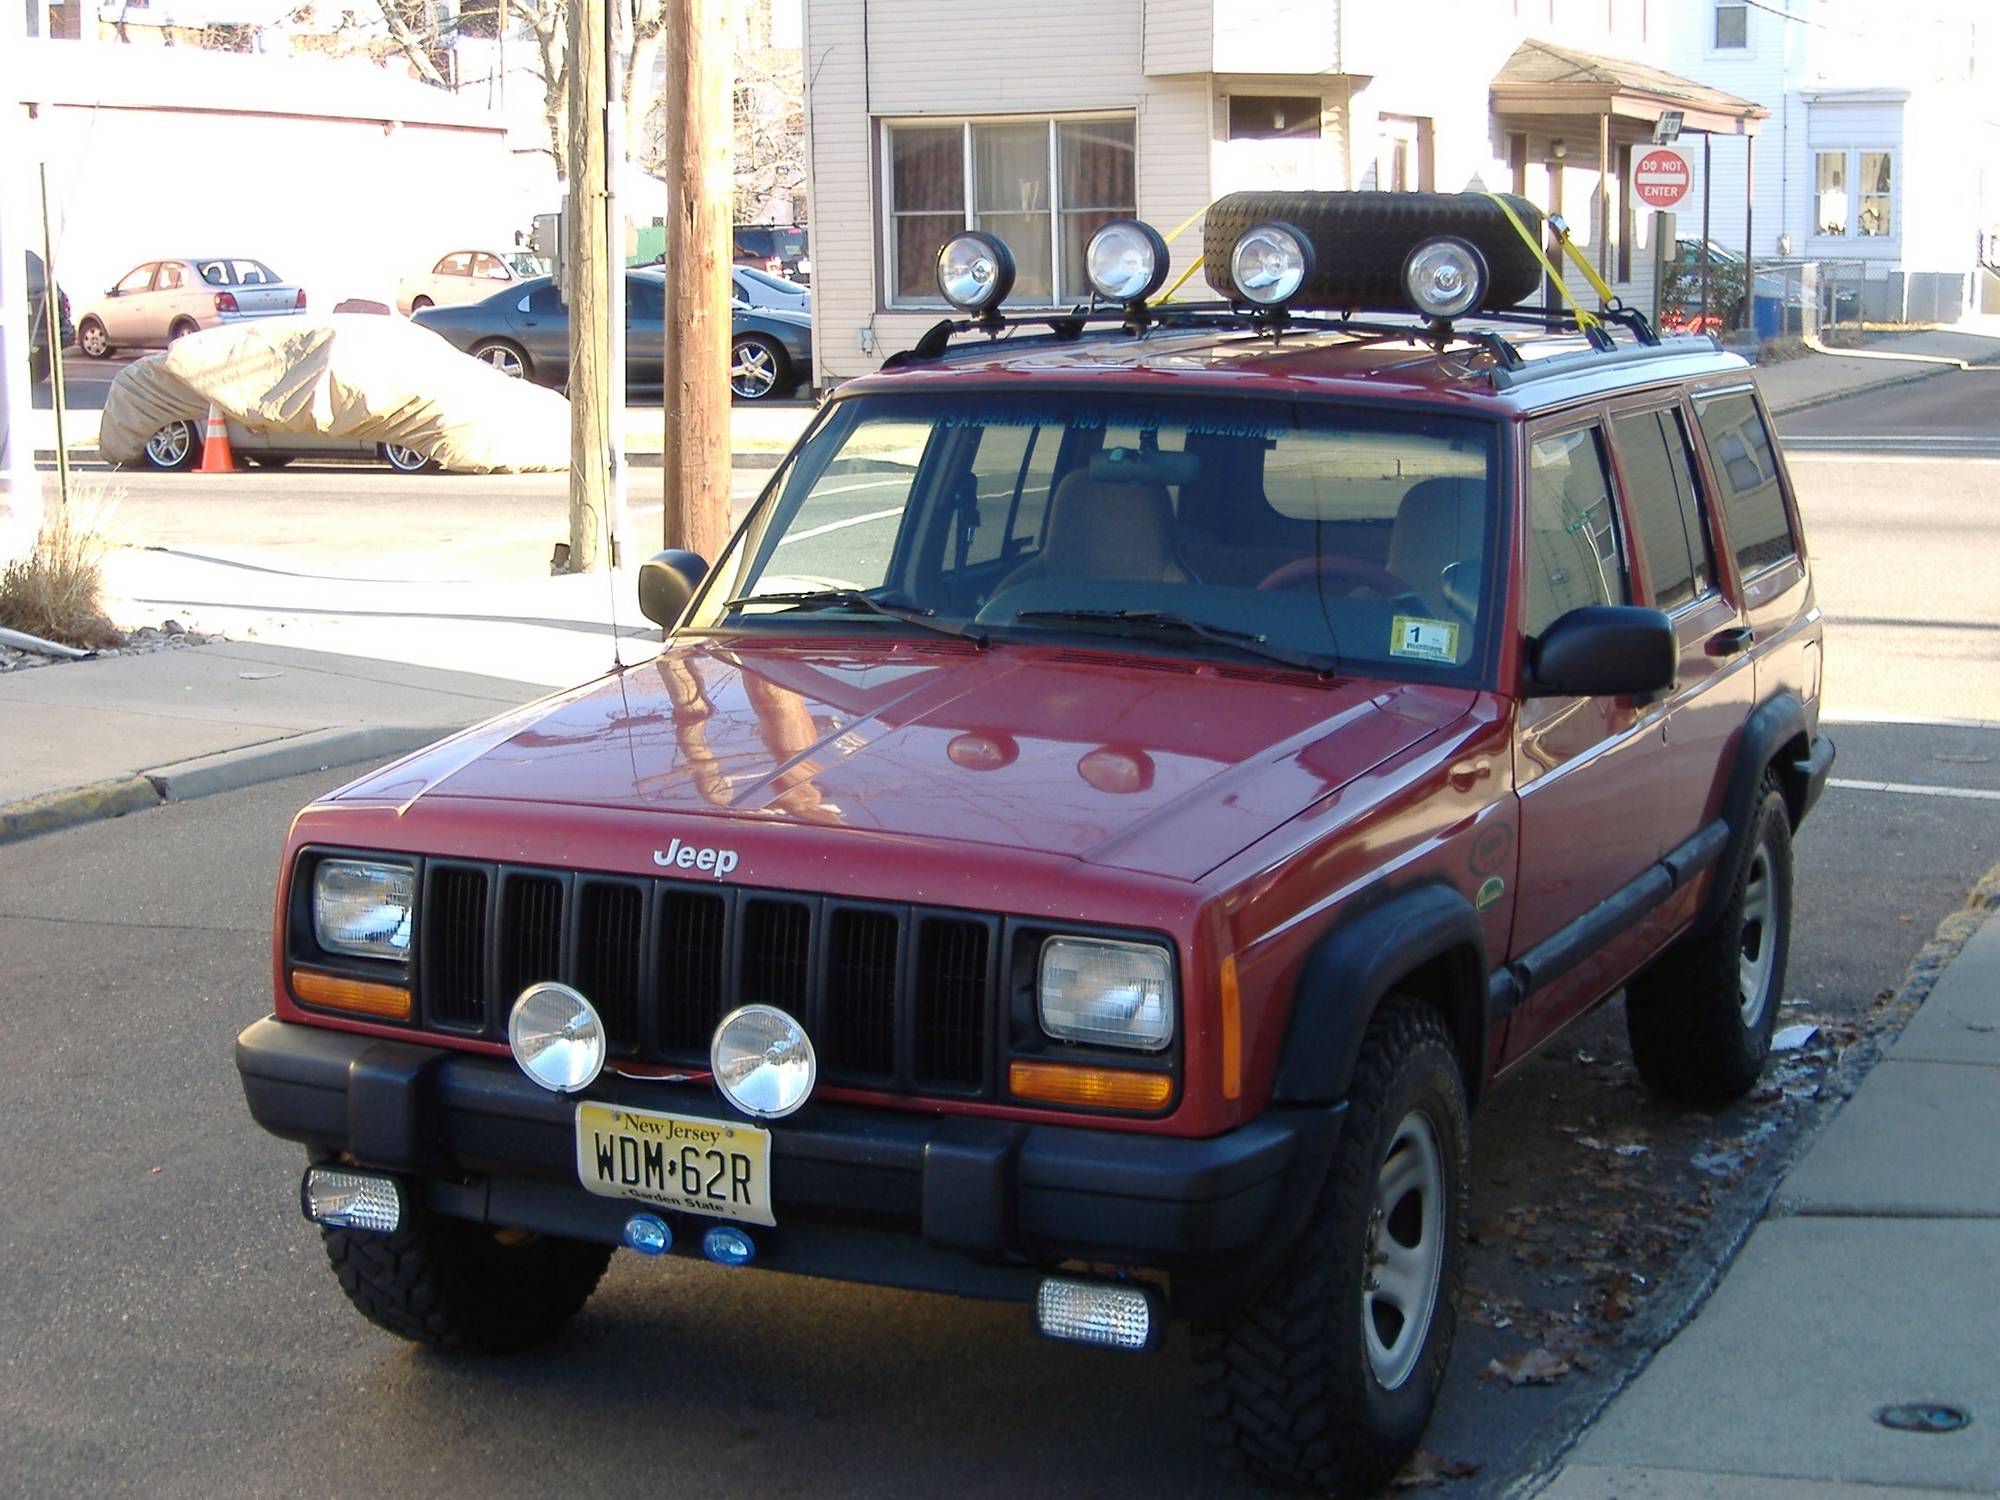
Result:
pixel 1137 762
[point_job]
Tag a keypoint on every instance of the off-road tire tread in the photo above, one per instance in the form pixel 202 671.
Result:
pixel 446 1283
pixel 1683 1012
pixel 1264 1374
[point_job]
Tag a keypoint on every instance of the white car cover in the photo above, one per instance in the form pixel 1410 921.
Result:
pixel 377 379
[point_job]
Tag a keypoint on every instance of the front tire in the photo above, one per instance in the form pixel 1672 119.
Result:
pixel 182 329
pixel 1701 1014
pixel 407 460
pixel 452 1284
pixel 1328 1380
pixel 92 339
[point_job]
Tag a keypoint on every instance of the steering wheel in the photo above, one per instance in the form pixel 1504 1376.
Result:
pixel 1333 567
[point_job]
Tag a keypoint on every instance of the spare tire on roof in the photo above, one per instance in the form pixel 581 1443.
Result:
pixel 1360 241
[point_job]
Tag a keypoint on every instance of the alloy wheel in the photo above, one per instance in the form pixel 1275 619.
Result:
pixel 1756 941
pixel 1406 1251
pixel 169 447
pixel 753 371
pixel 503 359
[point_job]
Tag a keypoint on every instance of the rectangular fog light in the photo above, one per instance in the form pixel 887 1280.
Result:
pixel 1105 1314
pixel 351 1200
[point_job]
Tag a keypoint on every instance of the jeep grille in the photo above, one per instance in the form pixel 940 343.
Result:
pixel 901 998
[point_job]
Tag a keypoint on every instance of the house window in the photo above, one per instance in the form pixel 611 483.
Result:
pixel 1732 25
pixel 1044 186
pixel 1403 154
pixel 1854 194
pixel 1274 117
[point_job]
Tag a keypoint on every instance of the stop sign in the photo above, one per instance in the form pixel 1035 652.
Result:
pixel 1660 177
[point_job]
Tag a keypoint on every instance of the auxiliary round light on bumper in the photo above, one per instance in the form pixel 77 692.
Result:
pixel 763 1061
pixel 557 1038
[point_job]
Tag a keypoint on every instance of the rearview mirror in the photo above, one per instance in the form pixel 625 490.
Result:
pixel 1604 650
pixel 667 580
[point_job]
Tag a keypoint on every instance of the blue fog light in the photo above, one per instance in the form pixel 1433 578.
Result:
pixel 648 1234
pixel 727 1246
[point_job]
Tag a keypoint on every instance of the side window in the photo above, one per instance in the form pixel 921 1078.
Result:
pixel 1653 451
pixel 170 279
pixel 1574 556
pixel 545 301
pixel 455 265
pixel 644 299
pixel 1747 470
pixel 489 266
pixel 138 279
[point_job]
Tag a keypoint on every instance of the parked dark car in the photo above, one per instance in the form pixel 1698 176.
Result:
pixel 525 331
pixel 38 322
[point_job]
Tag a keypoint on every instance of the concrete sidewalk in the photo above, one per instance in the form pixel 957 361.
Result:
pixel 1870 1284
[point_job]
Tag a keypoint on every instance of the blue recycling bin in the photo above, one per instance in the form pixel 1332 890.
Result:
pixel 1768 316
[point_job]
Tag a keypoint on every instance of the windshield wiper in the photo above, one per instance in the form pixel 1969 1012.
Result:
pixel 858 599
pixel 1222 635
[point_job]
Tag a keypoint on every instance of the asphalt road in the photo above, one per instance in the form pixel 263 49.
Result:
pixel 170 1327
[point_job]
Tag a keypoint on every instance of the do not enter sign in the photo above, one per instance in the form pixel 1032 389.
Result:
pixel 1660 177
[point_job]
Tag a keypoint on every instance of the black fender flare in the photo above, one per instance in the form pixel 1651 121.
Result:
pixel 1775 723
pixel 1359 962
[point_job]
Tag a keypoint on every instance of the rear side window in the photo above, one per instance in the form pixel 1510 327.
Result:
pixel 1574 557
pixel 1653 451
pixel 1746 469
pixel 545 301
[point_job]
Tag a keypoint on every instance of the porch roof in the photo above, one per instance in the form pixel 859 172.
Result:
pixel 1544 80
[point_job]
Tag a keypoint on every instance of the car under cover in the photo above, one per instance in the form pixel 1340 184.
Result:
pixel 374 379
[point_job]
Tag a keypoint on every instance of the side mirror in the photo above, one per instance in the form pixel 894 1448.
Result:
pixel 112 291
pixel 1604 650
pixel 667 580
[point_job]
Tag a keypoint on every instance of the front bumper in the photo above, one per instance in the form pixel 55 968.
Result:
pixel 976 1207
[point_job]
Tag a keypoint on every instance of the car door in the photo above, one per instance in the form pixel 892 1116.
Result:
pixel 541 322
pixel 1661 482
pixel 450 281
pixel 645 332
pixel 173 300
pixel 1587 769
pixel 123 313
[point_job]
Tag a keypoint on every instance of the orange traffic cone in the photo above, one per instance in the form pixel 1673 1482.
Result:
pixel 215 455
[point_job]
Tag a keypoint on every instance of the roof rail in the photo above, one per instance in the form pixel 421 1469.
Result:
pixel 1506 377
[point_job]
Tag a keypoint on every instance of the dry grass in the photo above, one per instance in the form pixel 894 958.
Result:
pixel 57 591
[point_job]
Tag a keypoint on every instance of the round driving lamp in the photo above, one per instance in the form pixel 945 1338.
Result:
pixel 556 1037
pixel 1126 261
pixel 975 272
pixel 763 1061
pixel 1270 263
pixel 1445 277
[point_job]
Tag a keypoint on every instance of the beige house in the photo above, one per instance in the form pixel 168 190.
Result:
pixel 1037 120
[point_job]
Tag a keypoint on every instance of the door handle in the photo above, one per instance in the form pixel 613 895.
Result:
pixel 1728 642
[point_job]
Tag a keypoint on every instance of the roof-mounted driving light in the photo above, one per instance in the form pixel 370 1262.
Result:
pixel 1269 263
pixel 975 272
pixel 1445 277
pixel 1126 261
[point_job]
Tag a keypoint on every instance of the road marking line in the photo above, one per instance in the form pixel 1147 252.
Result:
pixel 812 531
pixel 1911 789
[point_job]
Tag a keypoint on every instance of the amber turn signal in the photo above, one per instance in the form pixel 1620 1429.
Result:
pixel 387 1002
pixel 1097 1088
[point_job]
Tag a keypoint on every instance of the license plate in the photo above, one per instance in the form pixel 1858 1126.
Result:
pixel 713 1167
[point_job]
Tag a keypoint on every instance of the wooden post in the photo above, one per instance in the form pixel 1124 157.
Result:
pixel 586 272
pixel 700 215
pixel 1750 241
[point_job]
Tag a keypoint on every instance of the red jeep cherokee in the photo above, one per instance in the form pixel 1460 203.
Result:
pixel 1113 809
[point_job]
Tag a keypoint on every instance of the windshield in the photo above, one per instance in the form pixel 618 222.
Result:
pixel 1337 536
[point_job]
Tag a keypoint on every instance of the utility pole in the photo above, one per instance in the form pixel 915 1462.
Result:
pixel 701 194
pixel 587 287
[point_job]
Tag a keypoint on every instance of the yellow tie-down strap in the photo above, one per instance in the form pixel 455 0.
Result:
pixel 1584 319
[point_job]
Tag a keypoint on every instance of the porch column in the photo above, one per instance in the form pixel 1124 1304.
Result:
pixel 1603 199
pixel 1750 240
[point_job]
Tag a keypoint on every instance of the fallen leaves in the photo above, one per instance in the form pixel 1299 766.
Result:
pixel 1427 1471
pixel 1535 1367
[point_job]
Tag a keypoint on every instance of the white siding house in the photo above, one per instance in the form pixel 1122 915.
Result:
pixel 1881 148
pixel 1037 119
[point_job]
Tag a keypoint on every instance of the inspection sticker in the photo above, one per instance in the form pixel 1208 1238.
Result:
pixel 1433 640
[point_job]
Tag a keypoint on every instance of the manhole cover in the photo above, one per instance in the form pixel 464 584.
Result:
pixel 1923 1416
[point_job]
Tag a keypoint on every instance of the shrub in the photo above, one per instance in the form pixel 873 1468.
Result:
pixel 57 591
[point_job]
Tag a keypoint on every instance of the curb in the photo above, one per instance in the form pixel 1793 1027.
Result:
pixel 204 776
pixel 1684 1290
pixel 1908 377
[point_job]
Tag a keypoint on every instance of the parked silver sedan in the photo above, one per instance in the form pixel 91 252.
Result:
pixel 466 276
pixel 153 304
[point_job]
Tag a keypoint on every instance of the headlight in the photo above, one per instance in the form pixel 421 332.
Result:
pixel 1269 263
pixel 1116 994
pixel 362 907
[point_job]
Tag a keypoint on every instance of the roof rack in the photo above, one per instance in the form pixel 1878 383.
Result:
pixel 1509 368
